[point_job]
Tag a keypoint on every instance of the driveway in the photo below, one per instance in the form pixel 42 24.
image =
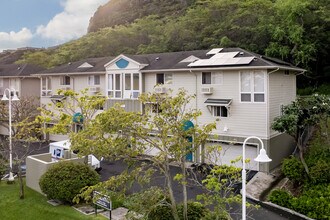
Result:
pixel 111 168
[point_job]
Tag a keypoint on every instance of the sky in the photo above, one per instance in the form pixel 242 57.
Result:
pixel 44 23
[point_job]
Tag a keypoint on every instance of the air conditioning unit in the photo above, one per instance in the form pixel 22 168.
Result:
pixel 207 90
pixel 94 89
pixel 160 89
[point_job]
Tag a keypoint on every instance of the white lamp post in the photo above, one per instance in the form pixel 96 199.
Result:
pixel 10 98
pixel 262 157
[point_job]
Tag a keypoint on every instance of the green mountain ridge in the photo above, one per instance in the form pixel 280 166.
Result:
pixel 121 12
pixel 294 31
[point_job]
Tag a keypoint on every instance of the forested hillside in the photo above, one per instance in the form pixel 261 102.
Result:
pixel 117 12
pixel 295 31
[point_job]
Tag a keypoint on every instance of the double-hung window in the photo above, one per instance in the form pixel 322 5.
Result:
pixel 212 78
pixel 252 86
pixel 164 78
pixel 124 85
pixel 65 80
pixel 46 86
pixel 94 80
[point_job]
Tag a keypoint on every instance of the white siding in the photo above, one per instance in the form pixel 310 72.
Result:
pixel 282 91
pixel 245 119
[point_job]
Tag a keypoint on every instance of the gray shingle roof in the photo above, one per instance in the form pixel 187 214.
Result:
pixel 16 70
pixel 97 63
pixel 169 61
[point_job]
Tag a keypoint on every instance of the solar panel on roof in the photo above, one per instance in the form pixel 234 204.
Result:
pixel 224 55
pixel 214 51
pixel 222 61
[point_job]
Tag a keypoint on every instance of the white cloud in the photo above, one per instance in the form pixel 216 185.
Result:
pixel 72 22
pixel 13 40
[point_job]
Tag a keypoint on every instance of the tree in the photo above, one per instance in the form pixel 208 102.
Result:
pixel 300 118
pixel 24 110
pixel 26 130
pixel 169 141
pixel 74 108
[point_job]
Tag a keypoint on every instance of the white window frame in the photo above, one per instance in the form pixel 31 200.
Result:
pixel 47 91
pixel 63 81
pixel 214 76
pixel 166 81
pixel 252 82
pixel 122 92
pixel 221 113
pixel 91 80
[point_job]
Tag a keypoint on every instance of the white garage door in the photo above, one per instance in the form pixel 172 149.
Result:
pixel 231 152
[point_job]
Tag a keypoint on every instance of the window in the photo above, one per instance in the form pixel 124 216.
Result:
pixel 1 82
pixel 93 80
pixel 46 86
pixel 130 82
pixel 212 78
pixel 155 108
pixel 77 128
pixel 164 78
pixel 220 111
pixel 252 86
pixel 206 77
pixel 65 80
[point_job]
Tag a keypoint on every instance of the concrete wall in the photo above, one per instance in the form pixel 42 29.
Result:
pixel 37 165
pixel 280 147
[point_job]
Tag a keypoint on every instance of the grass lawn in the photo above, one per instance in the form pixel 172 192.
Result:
pixel 34 206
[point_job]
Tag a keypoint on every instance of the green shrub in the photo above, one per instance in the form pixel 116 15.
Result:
pixel 64 180
pixel 161 212
pixel 293 169
pixel 280 197
pixel 316 152
pixel 314 201
pixel 320 172
pixel 143 202
pixel 196 211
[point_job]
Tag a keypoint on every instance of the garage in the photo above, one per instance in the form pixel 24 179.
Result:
pixel 230 152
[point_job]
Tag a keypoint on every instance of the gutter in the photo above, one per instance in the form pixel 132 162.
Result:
pixel 224 68
pixel 66 73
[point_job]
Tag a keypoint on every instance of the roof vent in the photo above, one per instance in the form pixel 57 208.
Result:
pixel 19 68
pixel 157 58
pixel 241 53
pixel 69 63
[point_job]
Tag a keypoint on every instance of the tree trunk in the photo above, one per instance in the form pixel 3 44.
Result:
pixel 184 189
pixel 21 183
pixel 170 190
pixel 301 156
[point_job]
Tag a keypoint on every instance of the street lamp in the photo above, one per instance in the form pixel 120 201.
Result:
pixel 262 157
pixel 10 98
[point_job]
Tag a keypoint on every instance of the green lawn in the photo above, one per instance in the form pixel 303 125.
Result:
pixel 34 206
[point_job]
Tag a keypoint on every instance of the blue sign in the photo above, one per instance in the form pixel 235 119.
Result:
pixel 103 201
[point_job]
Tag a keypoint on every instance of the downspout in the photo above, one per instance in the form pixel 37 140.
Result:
pixel 267 116
pixel 196 105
